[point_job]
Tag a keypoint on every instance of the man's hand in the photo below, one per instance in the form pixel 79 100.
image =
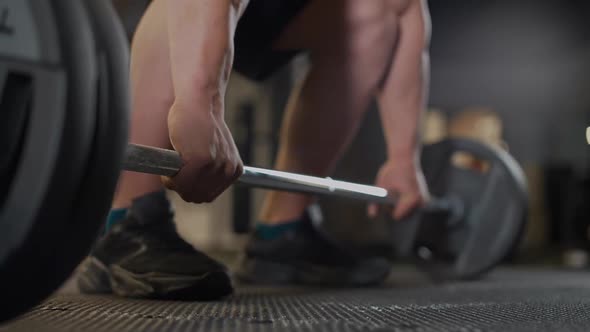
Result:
pixel 405 181
pixel 211 160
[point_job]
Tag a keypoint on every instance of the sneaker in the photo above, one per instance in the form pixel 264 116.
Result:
pixel 142 256
pixel 306 255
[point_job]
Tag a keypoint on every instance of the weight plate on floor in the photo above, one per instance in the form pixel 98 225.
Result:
pixel 492 188
pixel 50 42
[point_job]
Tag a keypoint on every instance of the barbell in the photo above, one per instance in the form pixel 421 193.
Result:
pixel 65 110
pixel 472 221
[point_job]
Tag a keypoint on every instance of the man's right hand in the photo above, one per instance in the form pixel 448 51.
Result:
pixel 201 35
pixel 211 159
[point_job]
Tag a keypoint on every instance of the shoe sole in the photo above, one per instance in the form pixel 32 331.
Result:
pixel 258 271
pixel 97 278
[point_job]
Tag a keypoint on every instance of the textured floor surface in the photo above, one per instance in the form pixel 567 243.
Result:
pixel 508 300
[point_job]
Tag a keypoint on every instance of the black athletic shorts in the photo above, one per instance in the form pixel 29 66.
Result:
pixel 260 26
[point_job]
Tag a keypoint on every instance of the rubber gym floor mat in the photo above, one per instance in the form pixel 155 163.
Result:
pixel 508 300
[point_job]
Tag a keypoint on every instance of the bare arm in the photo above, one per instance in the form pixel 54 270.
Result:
pixel 201 48
pixel 200 36
pixel 401 102
pixel 405 91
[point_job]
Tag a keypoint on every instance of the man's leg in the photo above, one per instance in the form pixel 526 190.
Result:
pixel 141 254
pixel 352 43
pixel 151 98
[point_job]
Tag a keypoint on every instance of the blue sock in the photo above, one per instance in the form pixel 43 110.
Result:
pixel 270 232
pixel 115 216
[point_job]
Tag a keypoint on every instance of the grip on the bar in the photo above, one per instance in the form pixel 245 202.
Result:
pixel 151 160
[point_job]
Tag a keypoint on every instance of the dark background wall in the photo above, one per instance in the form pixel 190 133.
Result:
pixel 528 59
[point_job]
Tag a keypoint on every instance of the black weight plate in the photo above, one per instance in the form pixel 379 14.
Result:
pixel 29 271
pixel 36 66
pixel 495 208
pixel 110 141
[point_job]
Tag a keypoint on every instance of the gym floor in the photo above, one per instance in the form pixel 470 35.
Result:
pixel 509 299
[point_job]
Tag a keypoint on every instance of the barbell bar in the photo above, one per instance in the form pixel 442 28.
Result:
pixel 164 162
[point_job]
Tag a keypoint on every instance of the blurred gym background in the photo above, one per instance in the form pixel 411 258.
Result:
pixel 512 73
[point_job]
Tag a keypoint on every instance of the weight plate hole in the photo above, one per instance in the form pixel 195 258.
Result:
pixel 466 160
pixel 15 104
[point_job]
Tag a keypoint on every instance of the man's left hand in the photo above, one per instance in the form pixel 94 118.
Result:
pixel 405 181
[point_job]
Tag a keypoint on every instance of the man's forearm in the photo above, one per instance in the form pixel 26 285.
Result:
pixel 401 114
pixel 201 47
pixel 404 95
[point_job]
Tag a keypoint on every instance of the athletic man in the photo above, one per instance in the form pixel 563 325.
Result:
pixel 182 55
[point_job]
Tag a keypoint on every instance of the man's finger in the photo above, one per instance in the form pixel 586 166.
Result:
pixel 404 206
pixel 168 183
